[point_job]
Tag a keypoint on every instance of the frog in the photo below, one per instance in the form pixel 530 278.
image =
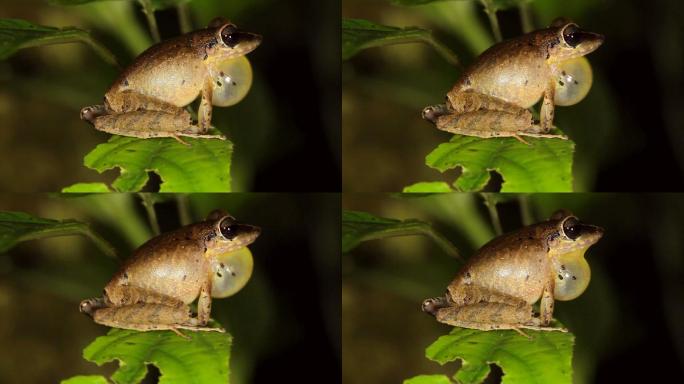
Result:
pixel 492 97
pixel 498 285
pixel 154 287
pixel 148 98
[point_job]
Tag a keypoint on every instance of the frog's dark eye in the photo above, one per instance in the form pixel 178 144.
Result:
pixel 571 228
pixel 228 228
pixel 572 35
pixel 229 35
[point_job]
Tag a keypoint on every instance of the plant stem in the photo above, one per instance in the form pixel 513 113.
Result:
pixel 490 203
pixel 444 51
pixel 525 17
pixel 73 35
pixel 490 10
pixel 184 18
pixel 418 228
pixel 148 10
pixel 100 242
pixel 525 212
pixel 183 209
pixel 74 228
pixel 148 202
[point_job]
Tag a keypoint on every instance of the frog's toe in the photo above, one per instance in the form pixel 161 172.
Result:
pixel 92 112
pixel 431 113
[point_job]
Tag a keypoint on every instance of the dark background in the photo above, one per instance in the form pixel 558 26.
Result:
pixel 629 130
pixel 627 323
pixel 285 322
pixel 286 131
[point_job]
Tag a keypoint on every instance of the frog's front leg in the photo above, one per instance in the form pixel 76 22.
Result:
pixel 546 304
pixel 547 109
pixel 205 108
pixel 204 303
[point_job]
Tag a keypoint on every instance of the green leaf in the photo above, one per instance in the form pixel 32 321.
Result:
pixel 16 227
pixel 92 379
pixel 428 379
pixel 87 188
pixel 543 166
pixel 204 166
pixel 362 226
pixel 428 187
pixel 544 358
pixel 201 359
pixel 358 34
pixel 16 34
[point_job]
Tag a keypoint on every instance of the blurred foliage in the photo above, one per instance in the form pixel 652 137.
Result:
pixel 16 227
pixel 43 89
pixel 17 34
pixel 201 358
pixel 544 357
pixel 274 330
pixel 360 34
pixel 362 226
pixel 616 134
pixel 86 379
pixel 614 321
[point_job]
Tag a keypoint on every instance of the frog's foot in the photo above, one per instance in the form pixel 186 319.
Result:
pixel 540 135
pixel 543 328
pixel 432 112
pixel 89 306
pixel 520 139
pixel 92 112
pixel 433 305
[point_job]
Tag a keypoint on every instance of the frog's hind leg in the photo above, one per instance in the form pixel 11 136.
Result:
pixel 492 316
pixel 474 114
pixel 150 317
pixel 493 123
pixel 147 124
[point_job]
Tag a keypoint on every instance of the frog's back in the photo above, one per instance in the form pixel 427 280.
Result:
pixel 514 264
pixel 515 71
pixel 172 264
pixel 171 71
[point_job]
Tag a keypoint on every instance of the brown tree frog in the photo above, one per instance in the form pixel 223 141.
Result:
pixel 154 287
pixel 499 284
pixel 147 99
pixel 492 97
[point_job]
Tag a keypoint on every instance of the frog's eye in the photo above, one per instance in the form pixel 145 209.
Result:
pixel 572 276
pixel 572 35
pixel 231 272
pixel 573 81
pixel 571 227
pixel 229 228
pixel 232 81
pixel 229 35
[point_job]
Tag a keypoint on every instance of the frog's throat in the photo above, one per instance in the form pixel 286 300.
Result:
pixel 571 253
pixel 219 252
pixel 567 246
